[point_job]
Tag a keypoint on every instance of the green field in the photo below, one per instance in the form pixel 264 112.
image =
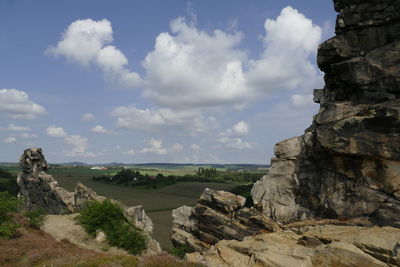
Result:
pixel 158 203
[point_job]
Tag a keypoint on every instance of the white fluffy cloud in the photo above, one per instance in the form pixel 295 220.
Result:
pixel 86 42
pixel 155 119
pixel 241 128
pixel 15 128
pixel 17 105
pixel 130 152
pixel 230 138
pixel 99 129
pixel 192 68
pixel 10 140
pixel 79 143
pixel 56 132
pixel 88 117
pixel 155 146
pixel 289 41
pixel 301 101
pixel 27 135
pixel 195 147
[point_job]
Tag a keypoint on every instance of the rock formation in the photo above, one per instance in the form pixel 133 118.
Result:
pixel 218 215
pixel 324 245
pixel 347 164
pixel 40 190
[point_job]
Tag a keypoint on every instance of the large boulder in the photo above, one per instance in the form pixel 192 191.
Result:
pixel 347 164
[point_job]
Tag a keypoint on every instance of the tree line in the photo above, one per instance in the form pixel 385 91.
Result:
pixel 129 177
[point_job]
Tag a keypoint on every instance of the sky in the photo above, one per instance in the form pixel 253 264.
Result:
pixel 177 81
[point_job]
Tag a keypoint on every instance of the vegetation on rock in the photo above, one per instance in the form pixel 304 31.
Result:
pixel 109 218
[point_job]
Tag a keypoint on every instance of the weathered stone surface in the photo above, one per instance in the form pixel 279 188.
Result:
pixel 40 190
pixel 218 215
pixel 347 164
pixel 138 217
pixel 83 194
pixel 326 245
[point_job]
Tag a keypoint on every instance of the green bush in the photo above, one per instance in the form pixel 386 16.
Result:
pixel 180 251
pixel 8 229
pixel 8 203
pixel 98 215
pixel 126 237
pixel 109 217
pixel 36 218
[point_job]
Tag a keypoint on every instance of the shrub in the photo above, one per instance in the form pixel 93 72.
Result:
pixel 98 215
pixel 180 251
pixel 8 229
pixel 36 218
pixel 8 203
pixel 126 237
pixel 109 217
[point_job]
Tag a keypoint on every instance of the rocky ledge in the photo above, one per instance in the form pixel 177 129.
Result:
pixel 322 245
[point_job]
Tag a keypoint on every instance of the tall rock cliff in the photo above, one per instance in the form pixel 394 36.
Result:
pixel 347 164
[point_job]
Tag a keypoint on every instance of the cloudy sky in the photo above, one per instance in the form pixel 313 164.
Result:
pixel 158 81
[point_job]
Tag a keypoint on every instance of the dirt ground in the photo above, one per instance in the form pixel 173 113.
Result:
pixel 64 227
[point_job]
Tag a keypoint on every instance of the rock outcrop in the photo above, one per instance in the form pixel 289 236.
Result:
pixel 323 245
pixel 347 164
pixel 40 190
pixel 218 215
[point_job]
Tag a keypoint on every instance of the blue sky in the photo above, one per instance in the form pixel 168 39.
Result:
pixel 158 81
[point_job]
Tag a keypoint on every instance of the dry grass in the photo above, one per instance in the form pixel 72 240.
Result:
pixel 32 247
pixel 165 260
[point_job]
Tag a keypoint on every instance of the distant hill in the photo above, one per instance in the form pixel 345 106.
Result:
pixel 73 163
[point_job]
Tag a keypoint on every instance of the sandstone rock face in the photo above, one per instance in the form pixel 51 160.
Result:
pixel 218 215
pixel 40 190
pixel 324 245
pixel 347 164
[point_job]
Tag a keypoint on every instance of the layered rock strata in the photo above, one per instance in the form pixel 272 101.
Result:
pixel 218 215
pixel 347 164
pixel 323 245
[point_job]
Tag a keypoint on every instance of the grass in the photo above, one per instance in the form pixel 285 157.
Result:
pixel 38 249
